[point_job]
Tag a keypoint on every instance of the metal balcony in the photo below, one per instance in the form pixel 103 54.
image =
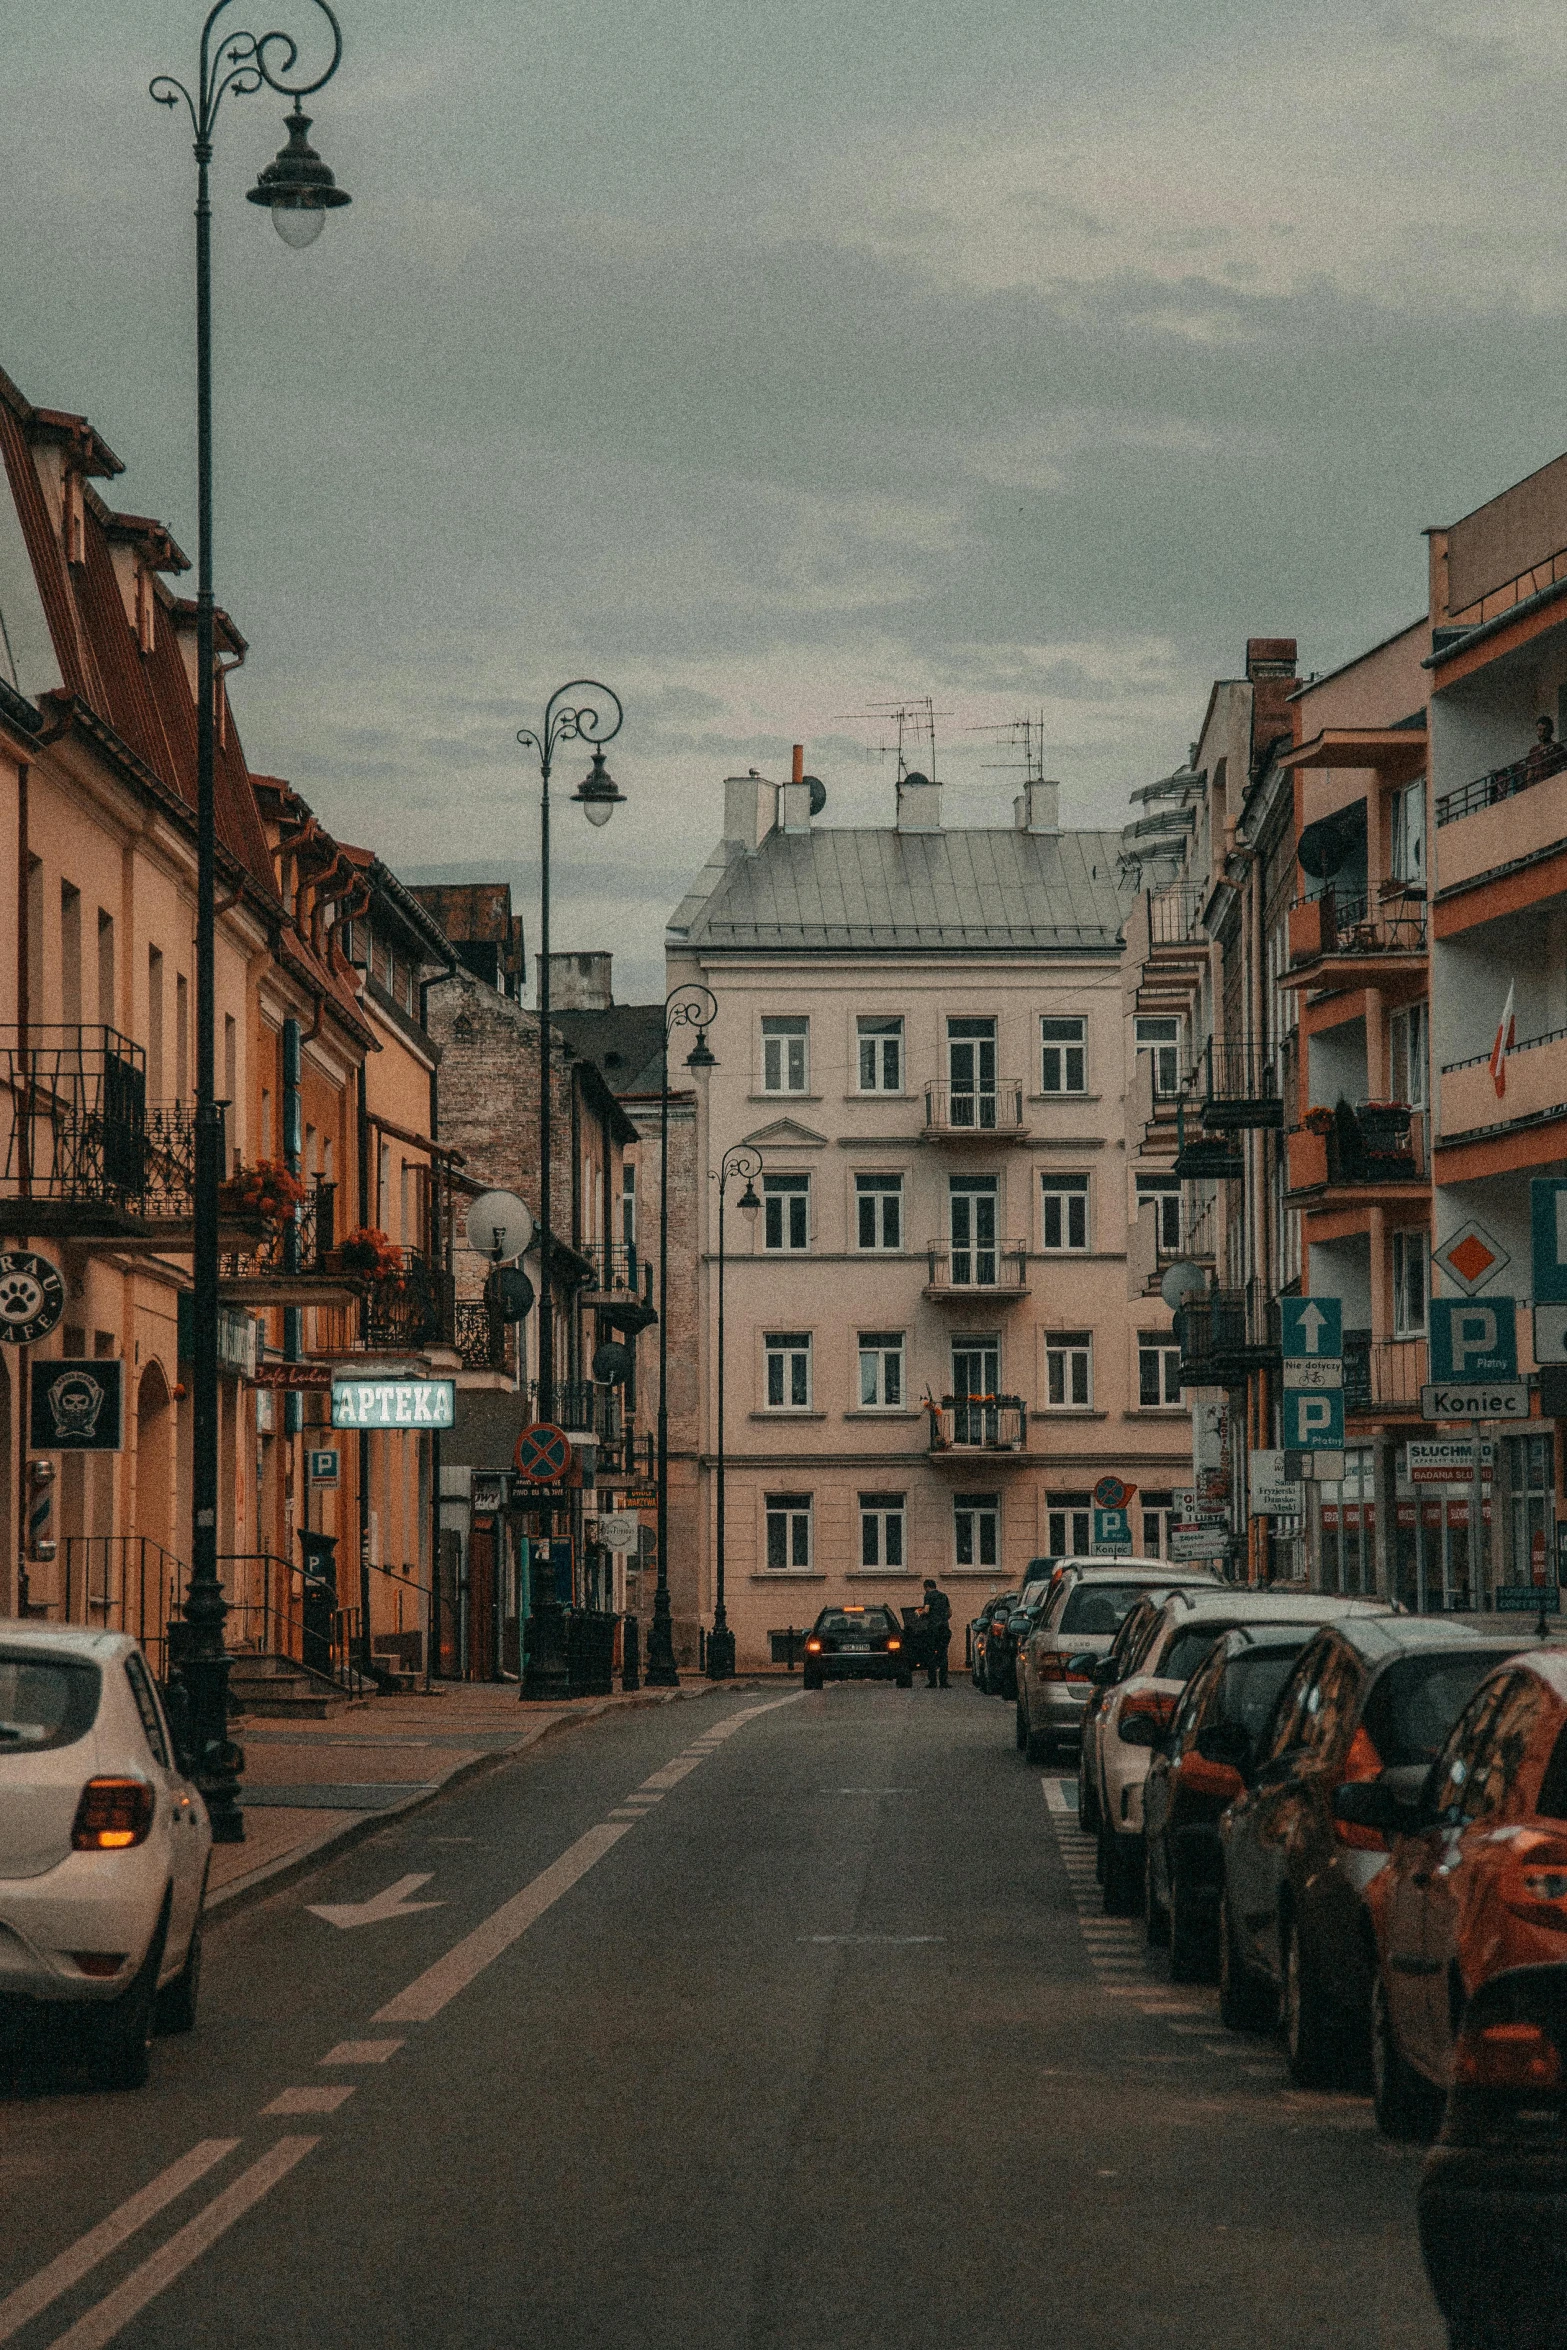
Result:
pixel 956 1114
pixel 619 1286
pixel 1203 1158
pixel 1502 783
pixel 996 1269
pixel 1383 1377
pixel 1224 1337
pixel 479 1335
pixel 82 1150
pixel 1369 1144
pixel 414 1307
pixel 1238 1087
pixel 584 1409
pixel 978 1423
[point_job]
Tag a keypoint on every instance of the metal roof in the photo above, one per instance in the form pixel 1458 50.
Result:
pixel 886 891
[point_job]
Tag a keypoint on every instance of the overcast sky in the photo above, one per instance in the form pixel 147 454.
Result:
pixel 775 362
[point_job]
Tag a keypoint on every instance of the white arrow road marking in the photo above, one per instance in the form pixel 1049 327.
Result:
pixel 393 1903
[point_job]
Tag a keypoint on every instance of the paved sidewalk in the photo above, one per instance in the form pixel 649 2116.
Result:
pixel 310 1787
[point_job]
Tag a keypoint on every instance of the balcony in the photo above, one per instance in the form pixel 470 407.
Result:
pixel 1383 1377
pixel 995 1269
pixel 954 1114
pixel 620 1287
pixel 1357 938
pixel 1148 1258
pixel 295 1261
pixel 413 1306
pixel 480 1336
pixel 1369 1148
pixel 1508 817
pixel 1150 1111
pixel 584 1409
pixel 968 1424
pixel 1536 1081
pixel 1226 1335
pixel 1203 1158
pixel 1238 1088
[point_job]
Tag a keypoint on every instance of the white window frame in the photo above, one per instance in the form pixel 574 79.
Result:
pixel 1167 1192
pixel 1158 1512
pixel 1069 1522
pixel 1407 834
pixel 795 1514
pixel 1164 1350
pixel 878 1041
pixel 884 1515
pixel 879 1192
pixel 1409 1052
pixel 790 1195
pixel 782 1032
pixel 1071 1197
pixel 879 1347
pixel 1069 1366
pixel 1063 1057
pixel 1158 1047
pixel 787 1352
pixel 1411 1281
pixel 976 1527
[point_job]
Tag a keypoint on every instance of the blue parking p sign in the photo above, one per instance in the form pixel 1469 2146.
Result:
pixel 1313 1419
pixel 1473 1338
pixel 1112 1530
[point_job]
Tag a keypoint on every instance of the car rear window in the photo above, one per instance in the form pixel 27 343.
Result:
pixel 1095 1608
pixel 1415 1703
pixel 1188 1650
pixel 45 1701
pixel 1252 1685
pixel 837 1619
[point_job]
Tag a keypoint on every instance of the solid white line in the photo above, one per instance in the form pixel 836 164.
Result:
pixel 362 2052
pixel 323 2097
pixel 70 2266
pixel 106 2318
pixel 428 1993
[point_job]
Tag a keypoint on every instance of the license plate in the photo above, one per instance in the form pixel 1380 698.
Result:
pixel 856 1648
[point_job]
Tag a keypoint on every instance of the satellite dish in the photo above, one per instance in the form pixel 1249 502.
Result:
pixel 818 793
pixel 611 1363
pixel 1181 1281
pixel 512 1292
pixel 498 1225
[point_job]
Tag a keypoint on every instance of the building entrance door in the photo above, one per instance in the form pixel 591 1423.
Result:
pixel 973 1230
pixel 971 1072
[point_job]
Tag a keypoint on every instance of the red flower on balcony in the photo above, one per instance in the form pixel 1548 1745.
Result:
pixel 369 1250
pixel 268 1190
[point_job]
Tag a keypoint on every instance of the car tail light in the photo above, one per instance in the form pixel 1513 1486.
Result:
pixel 99 1962
pixel 112 1814
pixel 1199 1776
pixel 1535 1884
pixel 1159 1708
pixel 894 1644
pixel 1361 1762
pixel 813 1648
pixel 1053 1667
pixel 1506 2056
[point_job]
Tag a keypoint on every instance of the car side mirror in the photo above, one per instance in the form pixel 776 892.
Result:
pixel 1226 1743
pixel 1017 1625
pixel 1139 1730
pixel 1381 1804
pixel 1082 1667
pixel 1106 1670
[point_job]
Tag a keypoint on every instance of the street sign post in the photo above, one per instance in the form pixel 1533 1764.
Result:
pixel 322 1466
pixel 1112 1532
pixel 1473 1338
pixel 1313 1419
pixel 1311 1328
pixel 543 1453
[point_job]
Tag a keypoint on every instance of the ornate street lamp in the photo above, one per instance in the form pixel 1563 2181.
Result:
pixel 546 1670
pixel 688 1006
pixel 233 64
pixel 744 1160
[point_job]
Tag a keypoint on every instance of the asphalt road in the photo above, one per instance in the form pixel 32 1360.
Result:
pixel 810 2039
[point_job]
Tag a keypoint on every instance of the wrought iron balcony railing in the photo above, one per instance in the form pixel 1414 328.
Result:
pixel 966 1113
pixel 987 1265
pixel 978 1423
pixel 414 1306
pixel 619 1285
pixel 1237 1086
pixel 78 1129
pixel 1383 1375
pixel 582 1407
pixel 1225 1335
pixel 1367 1143
pixel 480 1335
pixel 1390 921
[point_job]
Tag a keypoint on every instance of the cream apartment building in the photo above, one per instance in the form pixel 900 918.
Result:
pixel 930 1357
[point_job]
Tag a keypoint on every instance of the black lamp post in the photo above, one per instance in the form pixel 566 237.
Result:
pixel 689 1006
pixel 546 1671
pixel 299 191
pixel 744 1160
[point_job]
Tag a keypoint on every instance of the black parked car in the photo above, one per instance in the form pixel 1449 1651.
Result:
pixel 1001 1646
pixel 1370 1693
pixel 1495 2184
pixel 857 1644
pixel 990 1632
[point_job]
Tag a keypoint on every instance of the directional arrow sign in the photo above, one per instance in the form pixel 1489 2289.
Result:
pixel 393 1903
pixel 1311 1326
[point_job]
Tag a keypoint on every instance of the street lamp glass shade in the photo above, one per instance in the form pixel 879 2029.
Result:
pixel 699 1057
pixel 748 1203
pixel 598 795
pixel 297 188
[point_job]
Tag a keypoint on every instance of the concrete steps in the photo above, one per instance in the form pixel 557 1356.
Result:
pixel 278 1688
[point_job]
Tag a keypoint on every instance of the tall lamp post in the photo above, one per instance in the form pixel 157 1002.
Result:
pixel 688 1006
pixel 747 1161
pixel 546 1670
pixel 299 191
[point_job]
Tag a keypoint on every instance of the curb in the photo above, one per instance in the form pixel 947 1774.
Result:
pixel 276 1875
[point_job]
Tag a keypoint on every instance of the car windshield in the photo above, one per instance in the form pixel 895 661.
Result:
pixel 1415 1703
pixel 1188 1649
pixel 1096 1608
pixel 1252 1684
pixel 45 1701
pixel 872 1622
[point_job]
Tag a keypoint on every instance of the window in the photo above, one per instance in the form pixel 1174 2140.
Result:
pixel 1409 1284
pixel 788 1533
pixel 1408 833
pixel 881 1056
pixel 1063 1055
pixel 1285 1011
pixel 786 1211
pixel 70 954
pixel 1070 1523
pixel 147 1706
pixel 882 1384
pixel 1531 1483
pixel 972 1221
pixel 1165 1192
pixel 971 1072
pixel 1408 1055
pixel 1065 1199
pixel 1158 1515
pixel 785 1058
pixel 879 1209
pixel 976 1528
pixel 1161 1039
pixel 788 1359
pixel 154 1025
pixel 1158 1372
pixel 976 1366
pixel 107 1010
pixel 881 1531
pixel 628 1205
pixel 1069 1359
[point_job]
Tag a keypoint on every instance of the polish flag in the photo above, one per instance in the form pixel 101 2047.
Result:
pixel 1506 1038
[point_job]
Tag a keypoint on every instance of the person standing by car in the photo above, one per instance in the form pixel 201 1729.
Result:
pixel 937 1613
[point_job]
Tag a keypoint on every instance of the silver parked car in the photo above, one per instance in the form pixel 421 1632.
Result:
pixel 1055 1664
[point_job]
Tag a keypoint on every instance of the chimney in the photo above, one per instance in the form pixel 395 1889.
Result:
pixel 1037 808
pixel 750 809
pixel 794 797
pixel 580 983
pixel 919 804
pixel 1270 666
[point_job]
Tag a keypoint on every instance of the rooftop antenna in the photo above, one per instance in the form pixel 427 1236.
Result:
pixel 914 723
pixel 1027 732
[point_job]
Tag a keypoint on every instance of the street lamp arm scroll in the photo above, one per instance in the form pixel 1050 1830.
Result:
pixel 243 63
pixel 568 721
pixel 690 1005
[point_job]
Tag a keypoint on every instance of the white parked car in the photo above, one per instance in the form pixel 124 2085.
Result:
pixel 1090 1601
pixel 104 1846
